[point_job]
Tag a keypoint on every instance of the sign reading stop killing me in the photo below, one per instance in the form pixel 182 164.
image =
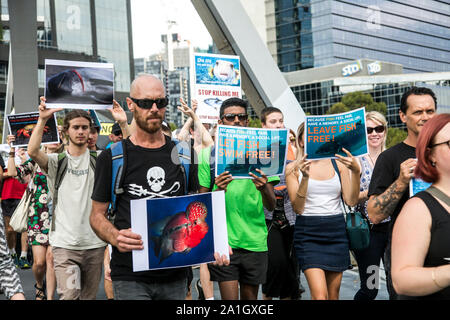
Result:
pixel 217 78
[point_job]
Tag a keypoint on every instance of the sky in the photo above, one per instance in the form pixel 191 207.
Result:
pixel 149 21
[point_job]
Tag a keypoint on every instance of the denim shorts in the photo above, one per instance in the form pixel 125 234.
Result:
pixel 138 290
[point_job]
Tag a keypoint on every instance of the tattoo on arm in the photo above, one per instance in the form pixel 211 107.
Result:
pixel 386 202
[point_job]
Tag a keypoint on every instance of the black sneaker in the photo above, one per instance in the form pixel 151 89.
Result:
pixel 198 287
pixel 24 264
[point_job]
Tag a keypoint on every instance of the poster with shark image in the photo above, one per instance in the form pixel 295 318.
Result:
pixel 179 231
pixel 217 78
pixel 326 135
pixel 22 125
pixel 79 85
pixel 243 150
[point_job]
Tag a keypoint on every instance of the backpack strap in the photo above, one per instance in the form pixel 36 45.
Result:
pixel 118 165
pixel 212 168
pixel 184 156
pixel 60 173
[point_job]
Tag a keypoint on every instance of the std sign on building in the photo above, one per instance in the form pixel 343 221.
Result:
pixel 216 78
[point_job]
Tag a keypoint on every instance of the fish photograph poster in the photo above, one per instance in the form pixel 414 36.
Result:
pixel 326 135
pixel 217 78
pixel 22 125
pixel 242 150
pixel 79 85
pixel 179 231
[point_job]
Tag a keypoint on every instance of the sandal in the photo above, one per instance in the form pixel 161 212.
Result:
pixel 40 293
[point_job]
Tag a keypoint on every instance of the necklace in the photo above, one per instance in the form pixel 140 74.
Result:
pixel 371 160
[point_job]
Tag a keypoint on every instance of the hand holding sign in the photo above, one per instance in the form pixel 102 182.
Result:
pixel 260 182
pixel 45 113
pixel 350 161
pixel 118 113
pixel 304 166
pixel 223 180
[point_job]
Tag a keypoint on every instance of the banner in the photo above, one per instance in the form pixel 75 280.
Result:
pixel 179 231
pixel 325 136
pixel 242 150
pixel 217 78
pixel 79 85
pixel 22 125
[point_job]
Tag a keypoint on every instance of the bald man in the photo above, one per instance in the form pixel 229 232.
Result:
pixel 148 153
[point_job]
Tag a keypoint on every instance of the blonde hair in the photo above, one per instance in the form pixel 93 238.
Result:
pixel 378 117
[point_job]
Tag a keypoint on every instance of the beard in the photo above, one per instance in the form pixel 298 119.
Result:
pixel 78 144
pixel 143 123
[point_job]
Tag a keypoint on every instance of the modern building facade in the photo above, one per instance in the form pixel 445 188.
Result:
pixel 304 34
pixel 79 30
pixel 318 89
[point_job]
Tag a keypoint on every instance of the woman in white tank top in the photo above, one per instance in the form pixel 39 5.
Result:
pixel 320 239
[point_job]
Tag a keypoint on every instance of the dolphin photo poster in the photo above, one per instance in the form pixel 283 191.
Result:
pixel 179 231
pixel 217 78
pixel 79 85
pixel 22 125
pixel 326 135
pixel 242 150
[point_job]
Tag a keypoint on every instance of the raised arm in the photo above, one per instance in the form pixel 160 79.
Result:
pixel 381 206
pixel 350 177
pixel 11 165
pixel 297 191
pixel 200 131
pixel 120 116
pixel 34 145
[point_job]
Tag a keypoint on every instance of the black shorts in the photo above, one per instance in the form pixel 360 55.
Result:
pixel 246 266
pixel 8 206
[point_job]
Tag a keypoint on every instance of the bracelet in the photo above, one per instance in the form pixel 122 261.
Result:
pixel 12 153
pixel 434 278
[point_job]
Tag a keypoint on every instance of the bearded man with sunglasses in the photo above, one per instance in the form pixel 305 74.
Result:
pixel 247 231
pixel 149 172
pixel 389 187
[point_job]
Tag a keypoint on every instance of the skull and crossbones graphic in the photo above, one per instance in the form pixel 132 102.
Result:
pixel 156 179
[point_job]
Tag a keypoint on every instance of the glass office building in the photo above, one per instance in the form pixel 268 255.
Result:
pixel 317 97
pixel 315 33
pixel 80 30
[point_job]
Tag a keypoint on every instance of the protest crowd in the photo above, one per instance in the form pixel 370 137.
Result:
pixel 79 224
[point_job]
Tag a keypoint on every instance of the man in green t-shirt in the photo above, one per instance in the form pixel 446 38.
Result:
pixel 247 231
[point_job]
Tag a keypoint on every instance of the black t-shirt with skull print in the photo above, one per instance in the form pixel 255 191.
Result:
pixel 149 173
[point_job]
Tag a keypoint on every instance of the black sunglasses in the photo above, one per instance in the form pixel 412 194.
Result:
pixel 148 103
pixel 378 129
pixel 231 116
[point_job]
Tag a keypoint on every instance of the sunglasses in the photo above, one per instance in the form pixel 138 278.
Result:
pixel 378 129
pixel 231 116
pixel 148 103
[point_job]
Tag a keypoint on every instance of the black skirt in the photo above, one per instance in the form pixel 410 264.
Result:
pixel 321 242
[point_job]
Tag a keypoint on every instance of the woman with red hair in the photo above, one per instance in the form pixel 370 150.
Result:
pixel 421 235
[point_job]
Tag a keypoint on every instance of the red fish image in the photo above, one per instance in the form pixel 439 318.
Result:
pixel 181 232
pixel 28 129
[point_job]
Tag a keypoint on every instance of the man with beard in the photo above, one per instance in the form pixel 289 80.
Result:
pixel 148 155
pixel 77 251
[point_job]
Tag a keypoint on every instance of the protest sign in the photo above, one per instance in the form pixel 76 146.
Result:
pixel 242 150
pixel 217 78
pixel 179 231
pixel 326 135
pixel 22 125
pixel 79 85
pixel 417 185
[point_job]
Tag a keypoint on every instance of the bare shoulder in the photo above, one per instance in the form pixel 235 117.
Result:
pixel 416 211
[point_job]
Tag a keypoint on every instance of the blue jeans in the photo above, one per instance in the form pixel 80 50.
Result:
pixel 134 290
pixel 368 260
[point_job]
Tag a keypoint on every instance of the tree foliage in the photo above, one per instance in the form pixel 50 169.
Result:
pixel 254 123
pixel 355 100
pixel 395 136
